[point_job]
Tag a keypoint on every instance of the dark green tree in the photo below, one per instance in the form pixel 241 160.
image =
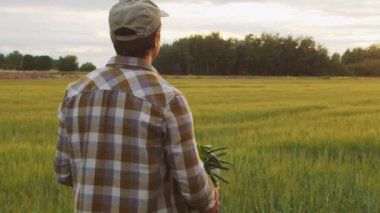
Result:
pixel 13 61
pixel 373 52
pixel 87 67
pixel 2 60
pixel 353 56
pixel 362 62
pixel 168 53
pixel 267 54
pixel 28 62
pixel 44 63
pixel 68 63
pixel 55 64
pixel 336 66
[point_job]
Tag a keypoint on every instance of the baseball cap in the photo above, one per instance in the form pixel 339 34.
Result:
pixel 140 16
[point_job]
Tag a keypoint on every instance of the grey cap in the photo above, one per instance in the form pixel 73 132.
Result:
pixel 141 16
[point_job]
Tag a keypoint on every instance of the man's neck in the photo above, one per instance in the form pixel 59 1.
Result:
pixel 147 59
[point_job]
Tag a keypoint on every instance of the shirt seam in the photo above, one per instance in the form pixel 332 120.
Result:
pixel 121 91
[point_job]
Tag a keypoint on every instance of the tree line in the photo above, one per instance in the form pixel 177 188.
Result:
pixel 264 55
pixel 17 61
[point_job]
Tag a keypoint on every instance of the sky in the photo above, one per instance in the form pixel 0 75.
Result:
pixel 71 27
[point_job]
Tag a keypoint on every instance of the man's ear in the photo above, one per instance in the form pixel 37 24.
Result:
pixel 156 45
pixel 157 39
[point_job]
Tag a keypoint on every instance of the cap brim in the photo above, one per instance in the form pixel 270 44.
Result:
pixel 163 13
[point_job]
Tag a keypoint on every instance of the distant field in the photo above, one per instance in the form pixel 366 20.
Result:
pixel 297 144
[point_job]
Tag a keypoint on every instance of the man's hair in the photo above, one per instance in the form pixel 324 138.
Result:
pixel 135 48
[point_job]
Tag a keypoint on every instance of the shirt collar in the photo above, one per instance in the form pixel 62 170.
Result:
pixel 121 61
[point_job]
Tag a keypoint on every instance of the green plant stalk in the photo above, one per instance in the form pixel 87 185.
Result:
pixel 213 162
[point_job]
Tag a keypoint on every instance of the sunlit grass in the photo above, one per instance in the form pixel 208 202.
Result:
pixel 296 144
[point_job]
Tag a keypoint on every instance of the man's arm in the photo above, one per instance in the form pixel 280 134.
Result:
pixel 62 153
pixel 185 165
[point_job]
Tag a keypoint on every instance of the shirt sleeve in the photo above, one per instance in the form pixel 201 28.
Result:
pixel 186 167
pixel 62 153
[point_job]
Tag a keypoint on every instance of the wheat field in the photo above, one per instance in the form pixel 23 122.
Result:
pixel 296 144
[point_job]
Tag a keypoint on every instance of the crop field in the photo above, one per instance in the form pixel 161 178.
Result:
pixel 296 144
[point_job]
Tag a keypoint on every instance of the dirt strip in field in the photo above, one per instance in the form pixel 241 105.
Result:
pixel 35 75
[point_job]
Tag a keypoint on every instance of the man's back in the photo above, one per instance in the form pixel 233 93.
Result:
pixel 126 143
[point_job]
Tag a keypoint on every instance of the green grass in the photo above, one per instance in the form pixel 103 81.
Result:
pixel 296 144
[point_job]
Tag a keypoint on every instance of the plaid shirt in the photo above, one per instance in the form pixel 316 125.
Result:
pixel 126 143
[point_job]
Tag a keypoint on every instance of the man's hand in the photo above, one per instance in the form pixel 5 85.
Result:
pixel 216 207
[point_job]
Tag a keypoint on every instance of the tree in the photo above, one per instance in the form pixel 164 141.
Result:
pixel 336 66
pixel 268 54
pixel 373 66
pixel 13 61
pixel 2 60
pixel 87 67
pixel 373 52
pixel 68 63
pixel 168 53
pixel 44 62
pixel 55 64
pixel 28 62
pixel 363 62
pixel 353 56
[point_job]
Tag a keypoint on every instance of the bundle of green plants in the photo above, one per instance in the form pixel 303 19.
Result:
pixel 213 163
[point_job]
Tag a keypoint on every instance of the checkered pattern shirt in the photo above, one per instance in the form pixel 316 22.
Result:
pixel 126 143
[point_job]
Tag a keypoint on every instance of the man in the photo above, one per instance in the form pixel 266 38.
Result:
pixel 126 140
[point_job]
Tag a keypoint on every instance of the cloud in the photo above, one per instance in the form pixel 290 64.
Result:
pixel 352 8
pixel 51 30
pixel 72 4
pixel 333 26
pixel 337 7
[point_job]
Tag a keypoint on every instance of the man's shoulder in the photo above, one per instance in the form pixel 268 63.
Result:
pixel 155 89
pixel 146 85
pixel 90 81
